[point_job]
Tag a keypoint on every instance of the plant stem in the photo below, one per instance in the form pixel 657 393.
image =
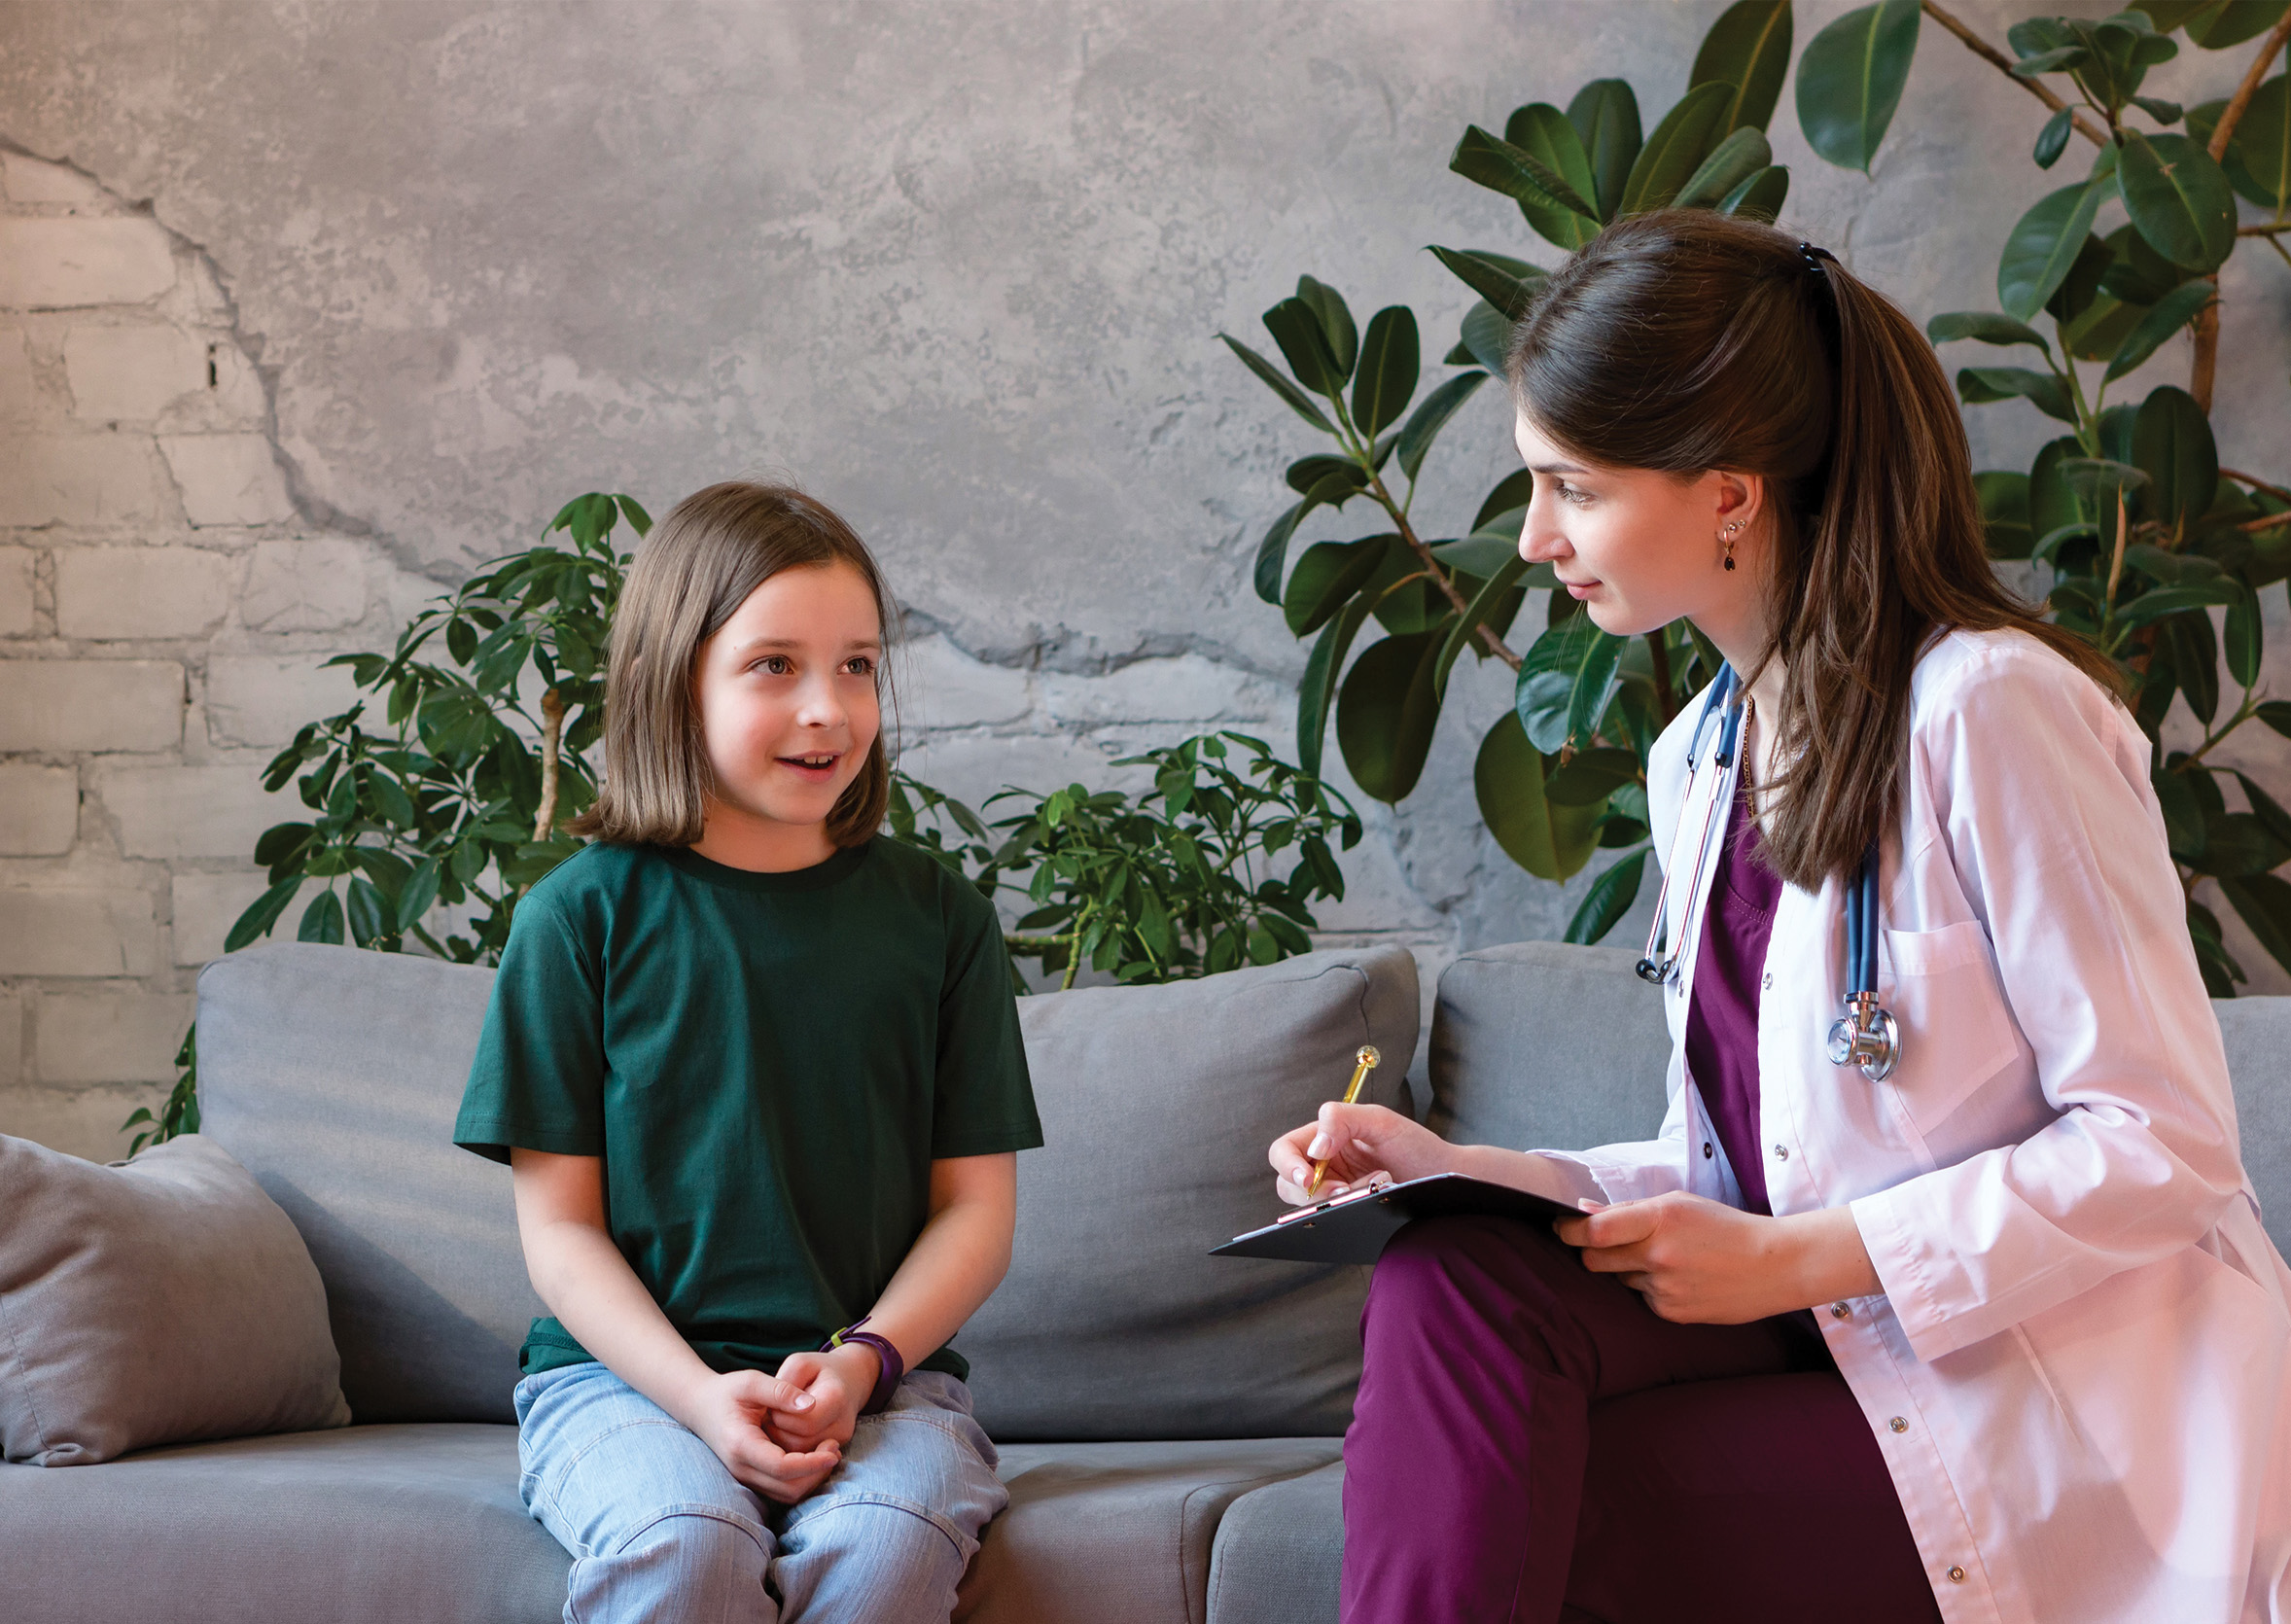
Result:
pixel 2275 491
pixel 2115 572
pixel 2263 230
pixel 1982 49
pixel 552 727
pixel 1494 645
pixel 2205 363
pixel 2243 713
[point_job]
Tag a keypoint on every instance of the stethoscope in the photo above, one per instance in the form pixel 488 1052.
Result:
pixel 1866 1034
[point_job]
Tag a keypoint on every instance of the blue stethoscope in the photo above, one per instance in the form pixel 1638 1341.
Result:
pixel 1866 1034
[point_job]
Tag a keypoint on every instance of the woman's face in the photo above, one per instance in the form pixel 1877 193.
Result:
pixel 1639 548
pixel 787 693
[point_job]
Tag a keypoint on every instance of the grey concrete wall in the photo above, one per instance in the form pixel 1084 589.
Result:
pixel 956 267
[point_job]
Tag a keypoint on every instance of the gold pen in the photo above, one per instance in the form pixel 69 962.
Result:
pixel 1366 1061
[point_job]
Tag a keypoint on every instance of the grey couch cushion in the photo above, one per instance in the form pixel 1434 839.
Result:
pixel 1541 1043
pixel 2258 1036
pixel 154 1302
pixel 380 1524
pixel 1279 1552
pixel 1157 1105
pixel 1119 1532
pixel 334 1075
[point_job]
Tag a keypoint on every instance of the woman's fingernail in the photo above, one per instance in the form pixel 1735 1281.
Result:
pixel 801 1401
pixel 1321 1145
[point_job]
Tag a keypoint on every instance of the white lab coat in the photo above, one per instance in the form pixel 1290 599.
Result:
pixel 2077 1372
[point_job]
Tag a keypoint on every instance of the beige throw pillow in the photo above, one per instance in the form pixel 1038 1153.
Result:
pixel 157 1301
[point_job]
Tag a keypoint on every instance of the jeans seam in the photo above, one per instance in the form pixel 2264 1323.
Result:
pixel 689 1508
pixel 965 1546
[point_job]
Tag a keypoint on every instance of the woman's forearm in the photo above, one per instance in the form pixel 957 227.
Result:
pixel 1823 1256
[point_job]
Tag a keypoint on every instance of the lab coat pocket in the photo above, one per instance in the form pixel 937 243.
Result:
pixel 1956 1031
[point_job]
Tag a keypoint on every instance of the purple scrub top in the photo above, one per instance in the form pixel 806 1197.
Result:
pixel 1722 1023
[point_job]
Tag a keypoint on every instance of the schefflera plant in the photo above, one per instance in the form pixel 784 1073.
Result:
pixel 2147 537
pixel 1564 773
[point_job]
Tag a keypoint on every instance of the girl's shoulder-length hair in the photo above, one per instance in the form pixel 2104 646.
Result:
pixel 1683 340
pixel 694 570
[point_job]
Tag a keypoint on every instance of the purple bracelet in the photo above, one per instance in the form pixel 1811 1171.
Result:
pixel 893 1367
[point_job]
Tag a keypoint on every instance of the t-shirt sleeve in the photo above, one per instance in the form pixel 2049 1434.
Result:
pixel 538 1080
pixel 983 1102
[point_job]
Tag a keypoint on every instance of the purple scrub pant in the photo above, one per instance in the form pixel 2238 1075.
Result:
pixel 1532 1443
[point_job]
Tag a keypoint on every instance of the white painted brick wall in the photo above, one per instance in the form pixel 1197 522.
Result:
pixel 304 585
pixel 19 390
pixel 80 480
pixel 228 479
pixel 132 372
pixel 72 263
pixel 207 904
pixel 265 699
pixel 95 932
pixel 115 592
pixel 57 705
pixel 11 1042
pixel 39 809
pixel 17 565
pixel 123 1034
pixel 213 810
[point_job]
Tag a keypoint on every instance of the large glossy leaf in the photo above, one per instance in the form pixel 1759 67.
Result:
pixel 1317 692
pixel 1986 326
pixel 2178 198
pixel 1976 386
pixel 1432 416
pixel 2043 247
pixel 1761 197
pixel 1273 551
pixel 1566 682
pixel 1675 149
pixel 1605 117
pixel 1550 842
pixel 2246 639
pixel 1389 361
pixel 1850 80
pixel 1733 162
pixel 1608 899
pixel 1747 48
pixel 2173 312
pixel 2263 140
pixel 1296 327
pixel 1508 284
pixel 1386 711
pixel 2004 511
pixel 1493 162
pixel 2171 443
pixel 256 922
pixel 1483 605
pixel 322 920
pixel 2263 903
pixel 1487 335
pixel 1544 132
pixel 1336 321
pixel 1325 579
pixel 1270 376
pixel 2224 22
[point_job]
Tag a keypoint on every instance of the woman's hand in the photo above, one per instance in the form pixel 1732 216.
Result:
pixel 840 1380
pixel 1360 1143
pixel 732 1414
pixel 1700 1262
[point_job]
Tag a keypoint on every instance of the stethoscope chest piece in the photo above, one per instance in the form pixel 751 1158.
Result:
pixel 1866 1036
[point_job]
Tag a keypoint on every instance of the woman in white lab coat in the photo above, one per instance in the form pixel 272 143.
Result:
pixel 1997 1336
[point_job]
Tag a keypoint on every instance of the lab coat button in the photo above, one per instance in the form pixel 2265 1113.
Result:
pixel 1706 1149
pixel 1767 983
pixel 1781 1152
pixel 1956 1575
pixel 1900 1423
pixel 1841 1311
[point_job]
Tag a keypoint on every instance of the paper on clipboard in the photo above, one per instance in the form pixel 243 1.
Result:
pixel 1353 1227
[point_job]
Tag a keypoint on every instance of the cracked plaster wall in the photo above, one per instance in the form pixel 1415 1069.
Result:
pixel 958 269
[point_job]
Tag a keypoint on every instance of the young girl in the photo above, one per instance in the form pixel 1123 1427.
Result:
pixel 758 1079
pixel 2044 1375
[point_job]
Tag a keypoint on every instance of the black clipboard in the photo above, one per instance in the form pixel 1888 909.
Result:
pixel 1354 1228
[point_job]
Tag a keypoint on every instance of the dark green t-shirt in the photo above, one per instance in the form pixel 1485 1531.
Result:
pixel 767 1064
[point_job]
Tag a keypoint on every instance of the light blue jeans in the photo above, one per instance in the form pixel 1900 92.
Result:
pixel 660 1530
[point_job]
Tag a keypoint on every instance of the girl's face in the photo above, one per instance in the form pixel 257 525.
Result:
pixel 1640 548
pixel 788 700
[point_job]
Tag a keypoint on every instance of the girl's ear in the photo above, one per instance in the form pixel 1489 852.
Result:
pixel 1740 498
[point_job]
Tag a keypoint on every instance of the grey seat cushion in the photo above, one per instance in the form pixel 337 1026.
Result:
pixel 332 1074
pixel 2258 1036
pixel 1541 1043
pixel 1279 1552
pixel 1119 1533
pixel 380 1524
pixel 1157 1105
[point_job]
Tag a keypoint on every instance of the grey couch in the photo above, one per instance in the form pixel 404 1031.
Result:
pixel 1170 1424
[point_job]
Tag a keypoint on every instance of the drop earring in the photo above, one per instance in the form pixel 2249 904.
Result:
pixel 1730 530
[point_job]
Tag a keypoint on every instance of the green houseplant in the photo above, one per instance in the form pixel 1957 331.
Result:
pixel 2144 533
